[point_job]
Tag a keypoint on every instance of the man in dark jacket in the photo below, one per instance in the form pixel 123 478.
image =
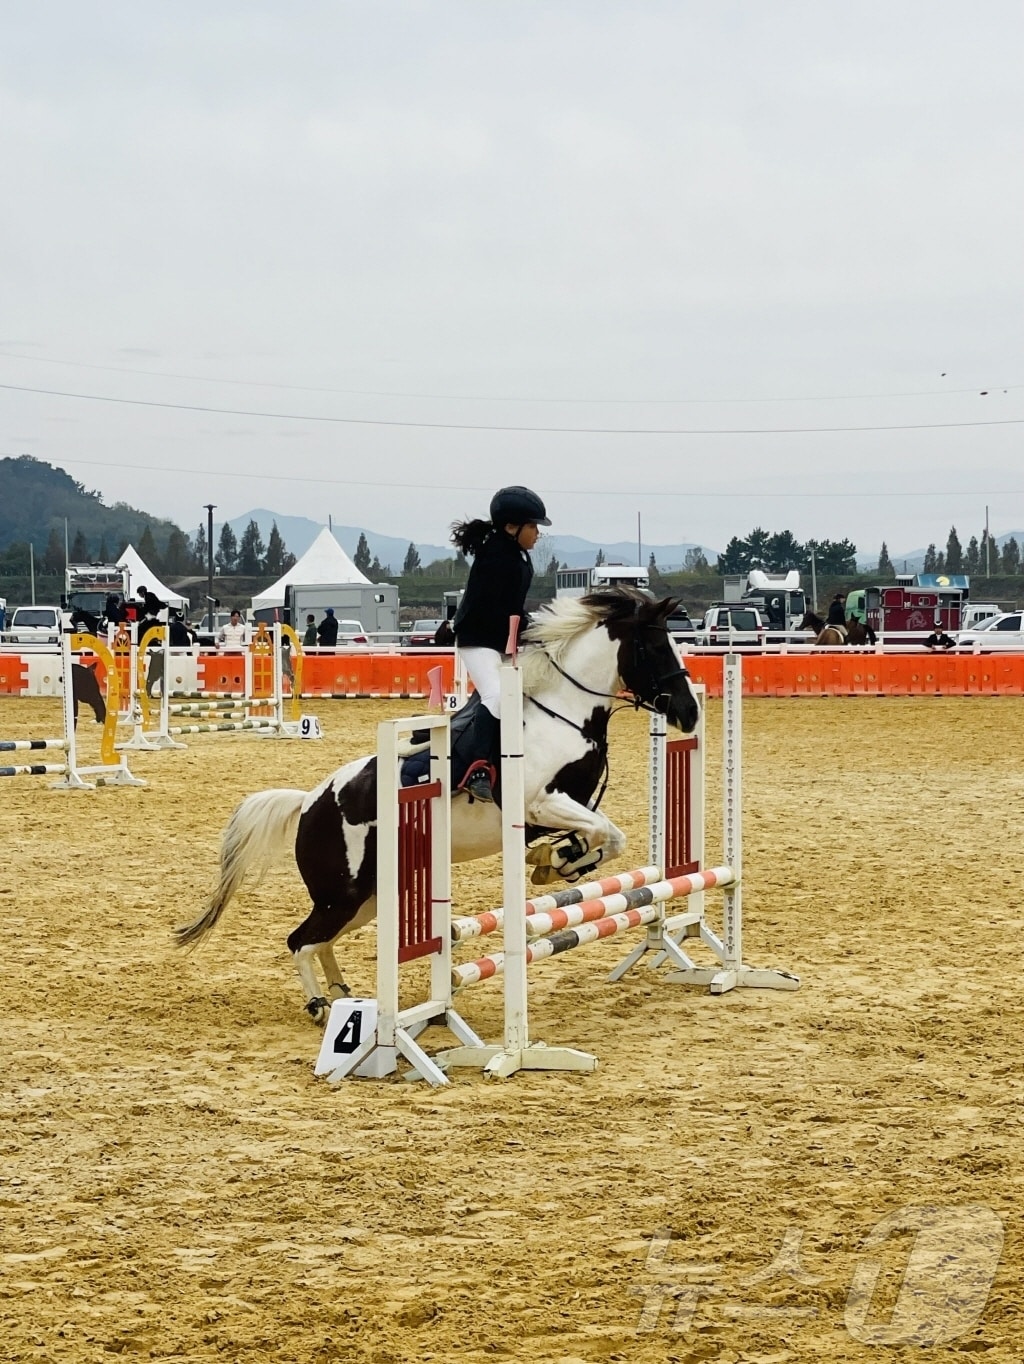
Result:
pixel 327 630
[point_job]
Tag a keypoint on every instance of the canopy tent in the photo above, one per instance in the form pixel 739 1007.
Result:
pixel 324 562
pixel 141 576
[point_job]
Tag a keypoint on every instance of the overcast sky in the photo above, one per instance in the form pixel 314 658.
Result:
pixel 380 236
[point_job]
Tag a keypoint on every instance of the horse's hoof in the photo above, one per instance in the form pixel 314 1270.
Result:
pixel 543 876
pixel 340 989
pixel 539 856
pixel 318 1009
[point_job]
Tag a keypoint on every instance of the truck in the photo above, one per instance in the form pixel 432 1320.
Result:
pixel 577 582
pixel 373 605
pixel 87 586
pixel 779 595
pixel 900 608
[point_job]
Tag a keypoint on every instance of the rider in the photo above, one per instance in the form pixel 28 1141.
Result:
pixel 837 610
pixel 498 583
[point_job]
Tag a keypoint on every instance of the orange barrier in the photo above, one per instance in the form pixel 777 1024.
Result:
pixel 842 672
pixel 823 673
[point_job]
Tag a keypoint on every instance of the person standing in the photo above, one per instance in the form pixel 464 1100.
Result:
pixel 327 630
pixel 309 639
pixel 232 635
pixel 498 583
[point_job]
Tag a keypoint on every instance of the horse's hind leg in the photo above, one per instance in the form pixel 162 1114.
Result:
pixel 314 940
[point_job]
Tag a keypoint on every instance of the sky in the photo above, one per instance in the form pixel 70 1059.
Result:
pixel 717 265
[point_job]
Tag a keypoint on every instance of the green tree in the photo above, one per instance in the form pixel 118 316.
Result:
pixel 930 560
pixel 884 562
pixel 972 555
pixel 954 553
pixel 695 560
pixel 1009 560
pixel 376 571
pixel 599 558
pixel 757 548
pixel 251 550
pixel 80 548
pixel 147 550
pixel 276 551
pixel 988 554
pixel 735 558
pixel 552 567
pixel 53 554
pixel 784 551
pixel 200 554
pixel 361 558
pixel 412 560
pixel 178 555
pixel 227 550
pixel 103 554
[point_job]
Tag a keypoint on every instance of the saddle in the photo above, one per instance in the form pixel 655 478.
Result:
pixel 415 753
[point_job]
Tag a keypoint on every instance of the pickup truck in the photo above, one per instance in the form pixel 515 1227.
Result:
pixel 35 625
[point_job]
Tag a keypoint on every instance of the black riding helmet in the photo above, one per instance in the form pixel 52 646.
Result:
pixel 516 505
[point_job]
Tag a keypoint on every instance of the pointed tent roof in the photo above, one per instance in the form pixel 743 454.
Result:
pixel 141 576
pixel 324 562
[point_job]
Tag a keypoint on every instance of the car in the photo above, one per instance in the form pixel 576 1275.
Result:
pixel 681 626
pixel 35 625
pixel 352 632
pixel 1002 632
pixel 733 623
pixel 422 633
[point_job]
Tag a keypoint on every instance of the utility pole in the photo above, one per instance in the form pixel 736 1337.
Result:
pixel 988 548
pixel 209 558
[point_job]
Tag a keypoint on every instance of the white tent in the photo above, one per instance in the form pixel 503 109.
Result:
pixel 324 562
pixel 141 576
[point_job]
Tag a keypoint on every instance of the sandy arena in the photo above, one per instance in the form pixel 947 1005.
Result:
pixel 176 1185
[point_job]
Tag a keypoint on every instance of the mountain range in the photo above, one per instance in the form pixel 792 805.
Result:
pixel 299 532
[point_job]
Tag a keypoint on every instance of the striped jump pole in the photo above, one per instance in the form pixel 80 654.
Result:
pixel 592 920
pixel 479 925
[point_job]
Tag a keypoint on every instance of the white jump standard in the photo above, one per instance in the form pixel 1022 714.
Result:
pixel 365 1037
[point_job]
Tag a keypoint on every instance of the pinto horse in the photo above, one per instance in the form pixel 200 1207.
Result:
pixel 581 655
pixel 833 635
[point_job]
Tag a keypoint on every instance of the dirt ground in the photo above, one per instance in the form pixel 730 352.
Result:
pixel 176 1185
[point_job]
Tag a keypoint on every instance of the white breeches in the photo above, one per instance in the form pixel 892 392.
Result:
pixel 484 668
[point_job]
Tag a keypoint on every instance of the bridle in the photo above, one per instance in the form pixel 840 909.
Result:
pixel 643 663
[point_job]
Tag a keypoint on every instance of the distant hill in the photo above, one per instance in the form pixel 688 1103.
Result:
pixel 35 498
pixel 299 532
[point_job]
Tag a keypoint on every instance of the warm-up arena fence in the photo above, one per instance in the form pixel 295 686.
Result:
pixel 113 771
pixel 414 917
pixel 261 706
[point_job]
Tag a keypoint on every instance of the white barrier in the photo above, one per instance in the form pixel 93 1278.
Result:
pixel 365 1036
pixel 73 775
pixel 218 714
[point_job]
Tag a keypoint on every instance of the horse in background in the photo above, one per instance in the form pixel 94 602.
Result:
pixel 834 636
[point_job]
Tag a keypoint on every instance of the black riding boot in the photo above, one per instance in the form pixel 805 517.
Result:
pixel 480 776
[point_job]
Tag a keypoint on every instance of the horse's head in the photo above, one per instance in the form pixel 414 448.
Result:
pixel 648 662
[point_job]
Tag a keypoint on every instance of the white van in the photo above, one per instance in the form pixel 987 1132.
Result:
pixel 35 625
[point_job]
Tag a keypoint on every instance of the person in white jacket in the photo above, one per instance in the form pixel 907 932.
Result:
pixel 232 635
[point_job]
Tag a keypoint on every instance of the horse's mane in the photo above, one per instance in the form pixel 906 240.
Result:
pixel 559 624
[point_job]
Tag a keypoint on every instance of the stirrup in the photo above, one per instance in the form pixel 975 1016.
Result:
pixel 478 783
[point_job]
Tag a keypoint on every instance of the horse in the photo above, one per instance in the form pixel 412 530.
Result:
pixel 85 688
pixel 580 656
pixel 833 636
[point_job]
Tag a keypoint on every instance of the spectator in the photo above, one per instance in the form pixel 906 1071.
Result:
pixel 232 635
pixel 309 639
pixel 938 639
pixel 327 630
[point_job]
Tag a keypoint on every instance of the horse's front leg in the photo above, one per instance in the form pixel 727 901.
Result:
pixel 590 838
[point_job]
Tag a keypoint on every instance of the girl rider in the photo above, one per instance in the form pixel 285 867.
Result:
pixel 498 583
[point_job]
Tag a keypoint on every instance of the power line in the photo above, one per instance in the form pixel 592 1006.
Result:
pixel 496 398
pixel 530 430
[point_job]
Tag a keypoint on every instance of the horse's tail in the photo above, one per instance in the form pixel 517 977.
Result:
pixel 261 830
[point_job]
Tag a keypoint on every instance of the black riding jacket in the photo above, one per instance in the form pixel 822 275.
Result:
pixel 498 583
pixel 836 614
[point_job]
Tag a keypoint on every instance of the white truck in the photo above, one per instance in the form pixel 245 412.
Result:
pixel 779 595
pixel 374 605
pixel 577 582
